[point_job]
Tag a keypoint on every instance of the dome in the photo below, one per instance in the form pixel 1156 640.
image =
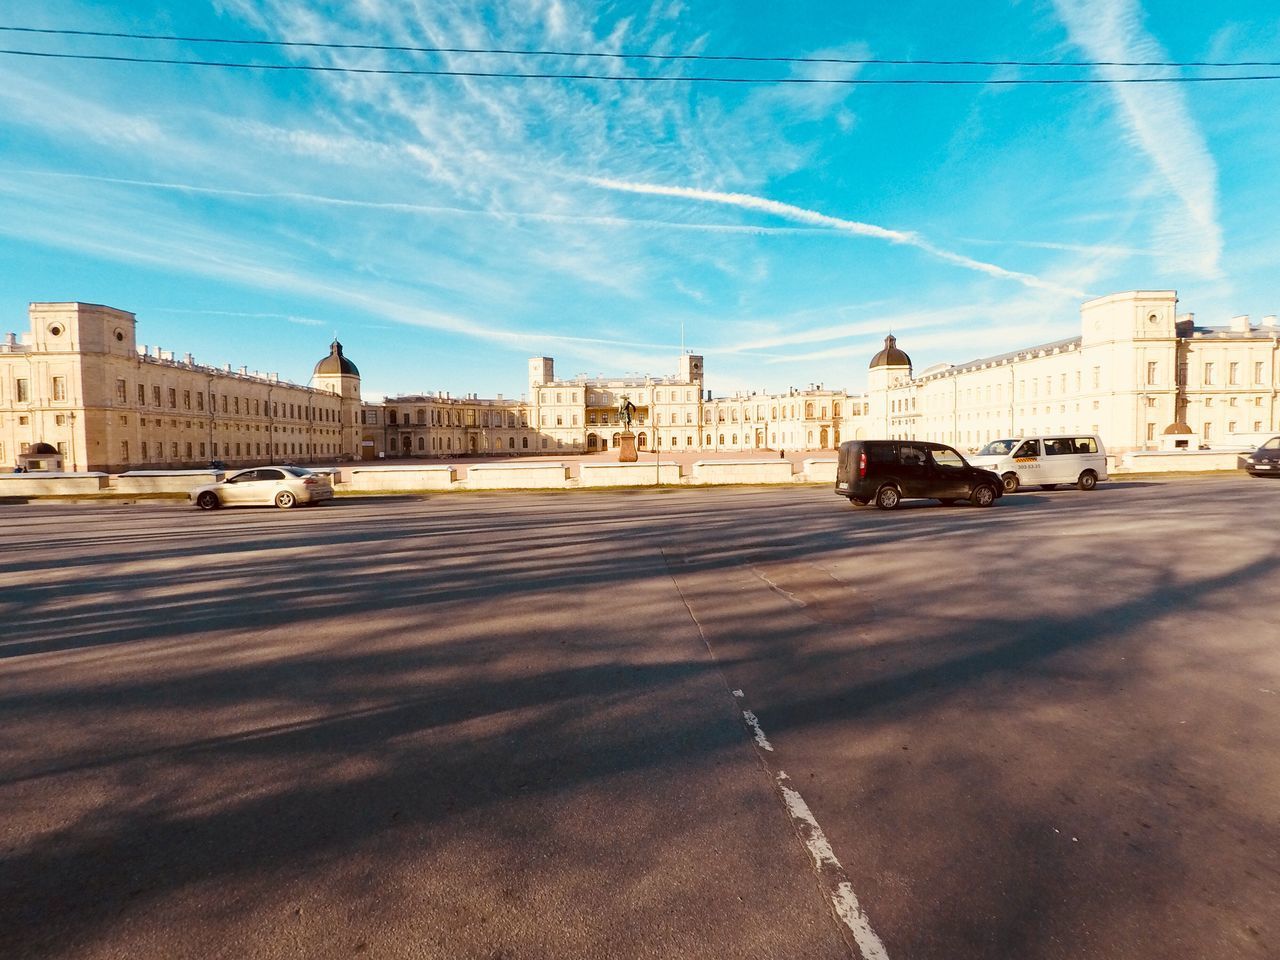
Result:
pixel 1176 429
pixel 890 356
pixel 335 363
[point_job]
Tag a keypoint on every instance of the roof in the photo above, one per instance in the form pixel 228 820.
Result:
pixel 336 363
pixel 890 356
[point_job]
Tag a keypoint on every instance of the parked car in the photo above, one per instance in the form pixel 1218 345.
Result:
pixel 1049 461
pixel 1265 461
pixel 890 471
pixel 281 486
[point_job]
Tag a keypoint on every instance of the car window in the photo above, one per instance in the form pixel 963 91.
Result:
pixel 912 456
pixel 880 453
pixel 1272 444
pixel 946 457
pixel 299 471
pixel 1058 447
pixel 997 448
pixel 1030 448
pixel 245 477
pixel 269 474
pixel 1086 445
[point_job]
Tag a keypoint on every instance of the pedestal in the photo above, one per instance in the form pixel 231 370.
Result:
pixel 627 448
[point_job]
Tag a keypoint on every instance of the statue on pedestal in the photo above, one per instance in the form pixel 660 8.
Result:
pixel 627 441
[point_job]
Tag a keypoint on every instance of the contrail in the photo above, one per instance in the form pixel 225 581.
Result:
pixel 800 214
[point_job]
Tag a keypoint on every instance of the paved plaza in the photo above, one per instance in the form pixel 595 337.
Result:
pixel 719 723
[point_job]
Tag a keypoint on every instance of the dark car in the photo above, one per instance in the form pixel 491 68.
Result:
pixel 890 471
pixel 1265 461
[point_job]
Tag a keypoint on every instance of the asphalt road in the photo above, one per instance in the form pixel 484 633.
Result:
pixel 507 725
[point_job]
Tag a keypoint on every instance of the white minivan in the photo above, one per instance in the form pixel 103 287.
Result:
pixel 1048 461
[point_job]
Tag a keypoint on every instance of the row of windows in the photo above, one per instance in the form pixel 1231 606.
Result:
pixel 229 404
pixel 445 418
pixel 187 451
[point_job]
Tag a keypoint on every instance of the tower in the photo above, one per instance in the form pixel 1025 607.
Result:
pixel 890 368
pixel 336 374
pixel 691 369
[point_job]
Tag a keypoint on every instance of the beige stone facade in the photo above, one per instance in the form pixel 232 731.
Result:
pixel 79 383
pixel 1138 375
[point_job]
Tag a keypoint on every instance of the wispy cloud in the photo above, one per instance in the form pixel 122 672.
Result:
pixel 1157 121
pixel 800 214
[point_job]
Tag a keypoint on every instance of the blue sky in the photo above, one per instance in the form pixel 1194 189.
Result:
pixel 449 228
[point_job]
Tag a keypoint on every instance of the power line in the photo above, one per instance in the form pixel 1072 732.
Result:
pixel 512 75
pixel 500 51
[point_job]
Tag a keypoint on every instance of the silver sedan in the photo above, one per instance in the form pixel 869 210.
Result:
pixel 264 486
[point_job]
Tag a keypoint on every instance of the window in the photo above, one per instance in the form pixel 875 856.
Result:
pixel 200 401
pixel 1208 374
pixel 124 451
pixel 59 388
pixel 155 396
pixel 24 392
pixel 144 450
pixel 1097 377
pixel 142 398
pixel 1151 373
pixel 1207 431
pixel 1151 431
pixel 1233 373
pixel 1257 371
pixel 121 393
pixel 173 399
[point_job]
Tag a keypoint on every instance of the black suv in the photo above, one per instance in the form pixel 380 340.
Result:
pixel 889 471
pixel 1265 461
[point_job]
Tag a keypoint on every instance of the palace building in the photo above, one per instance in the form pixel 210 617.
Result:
pixel 1139 375
pixel 78 393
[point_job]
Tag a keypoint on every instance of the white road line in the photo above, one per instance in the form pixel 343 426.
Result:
pixel 759 734
pixel 843 899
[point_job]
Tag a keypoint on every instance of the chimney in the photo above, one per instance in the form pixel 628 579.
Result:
pixel 244 371
pixel 189 360
pixel 1269 322
pixel 1240 324
pixel 11 340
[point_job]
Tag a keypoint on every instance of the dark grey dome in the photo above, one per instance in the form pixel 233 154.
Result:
pixel 335 362
pixel 890 356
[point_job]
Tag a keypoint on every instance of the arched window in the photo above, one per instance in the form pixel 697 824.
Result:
pixel 422 443
pixel 835 409
pixel 511 443
pixel 722 439
pixel 524 443
pixel 708 440
pixel 735 439
pixel 642 442
pixel 808 409
pixel 617 439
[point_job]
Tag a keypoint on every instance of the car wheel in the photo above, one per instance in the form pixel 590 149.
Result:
pixel 947 501
pixel 207 500
pixel 982 496
pixel 1088 480
pixel 859 501
pixel 1010 481
pixel 1048 486
pixel 285 500
pixel 887 497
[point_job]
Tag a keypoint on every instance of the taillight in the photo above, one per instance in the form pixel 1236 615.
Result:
pixel 862 465
pixel 310 481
